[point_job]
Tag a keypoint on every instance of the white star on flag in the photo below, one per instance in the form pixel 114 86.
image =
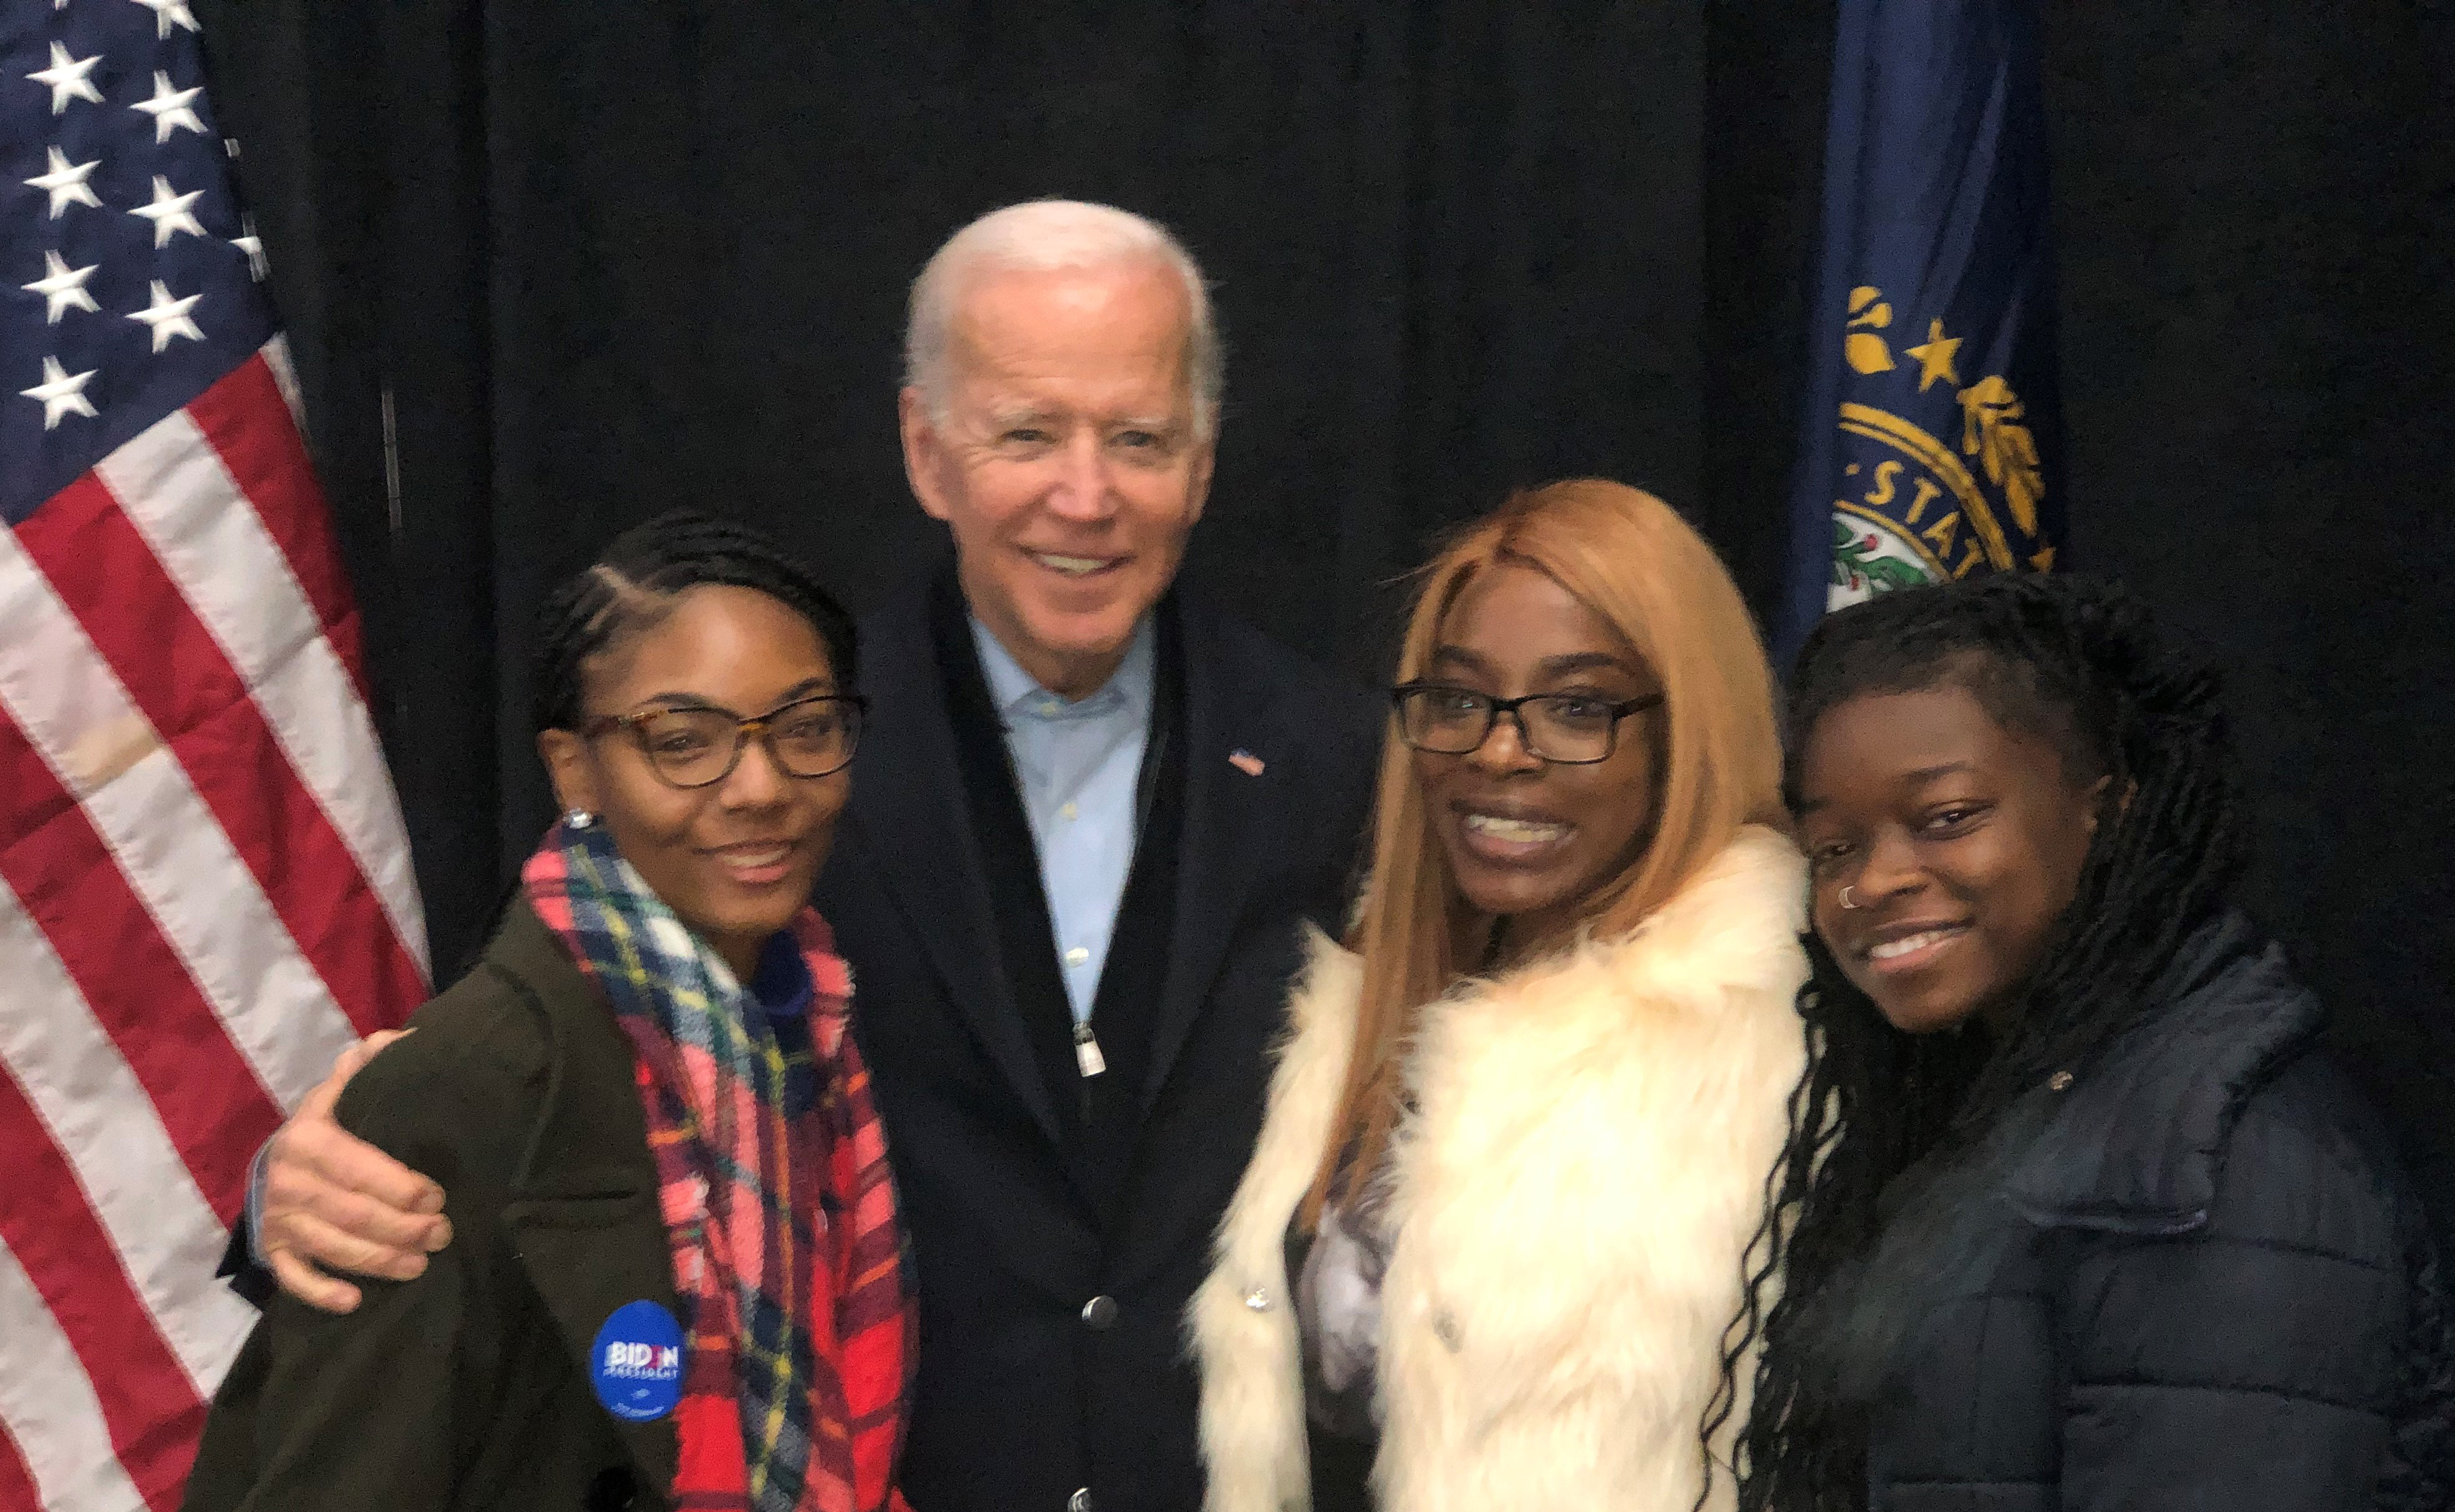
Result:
pixel 67 185
pixel 167 317
pixel 63 286
pixel 170 107
pixel 169 212
pixel 70 78
pixel 60 394
pixel 167 11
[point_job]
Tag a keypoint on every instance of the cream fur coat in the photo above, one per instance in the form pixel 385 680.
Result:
pixel 1571 1200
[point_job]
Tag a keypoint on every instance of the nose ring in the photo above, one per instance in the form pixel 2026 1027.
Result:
pixel 1848 901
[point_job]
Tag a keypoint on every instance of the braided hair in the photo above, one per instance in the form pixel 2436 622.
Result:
pixel 2079 665
pixel 632 583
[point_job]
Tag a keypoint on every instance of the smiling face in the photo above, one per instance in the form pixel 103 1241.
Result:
pixel 1066 459
pixel 1960 842
pixel 734 860
pixel 1528 839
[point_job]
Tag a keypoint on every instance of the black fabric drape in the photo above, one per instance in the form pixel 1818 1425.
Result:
pixel 2255 209
pixel 608 257
pixel 584 262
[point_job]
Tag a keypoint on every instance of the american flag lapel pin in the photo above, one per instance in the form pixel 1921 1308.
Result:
pixel 1246 762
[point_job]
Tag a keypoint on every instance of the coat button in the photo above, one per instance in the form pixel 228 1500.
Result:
pixel 1080 1501
pixel 1100 1314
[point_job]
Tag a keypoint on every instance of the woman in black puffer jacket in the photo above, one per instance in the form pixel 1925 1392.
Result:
pixel 2075 1214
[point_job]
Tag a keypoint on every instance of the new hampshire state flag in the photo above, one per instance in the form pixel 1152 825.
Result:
pixel 1931 446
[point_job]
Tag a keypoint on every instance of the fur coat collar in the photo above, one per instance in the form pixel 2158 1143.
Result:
pixel 1569 1207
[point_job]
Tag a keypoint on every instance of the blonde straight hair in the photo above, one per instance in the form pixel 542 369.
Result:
pixel 1629 557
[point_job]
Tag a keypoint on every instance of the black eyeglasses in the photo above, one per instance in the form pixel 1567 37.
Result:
pixel 1569 729
pixel 695 746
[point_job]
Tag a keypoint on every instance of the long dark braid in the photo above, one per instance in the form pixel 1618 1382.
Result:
pixel 2080 665
pixel 635 580
pixel 1870 1103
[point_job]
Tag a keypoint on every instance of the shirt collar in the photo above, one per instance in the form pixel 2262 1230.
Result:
pixel 1014 691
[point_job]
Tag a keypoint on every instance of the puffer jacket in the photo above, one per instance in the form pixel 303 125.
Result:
pixel 2210 1287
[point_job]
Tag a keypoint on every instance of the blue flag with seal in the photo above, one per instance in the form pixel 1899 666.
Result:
pixel 1931 446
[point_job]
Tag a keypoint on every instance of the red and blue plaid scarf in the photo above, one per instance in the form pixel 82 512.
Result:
pixel 787 1256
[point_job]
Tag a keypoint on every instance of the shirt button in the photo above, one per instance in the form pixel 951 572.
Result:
pixel 1047 707
pixel 1077 956
pixel 1080 1501
pixel 1070 812
pixel 1100 1314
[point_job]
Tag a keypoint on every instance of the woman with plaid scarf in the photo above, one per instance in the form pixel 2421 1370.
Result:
pixel 679 1279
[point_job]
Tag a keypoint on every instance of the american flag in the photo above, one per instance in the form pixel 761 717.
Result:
pixel 205 890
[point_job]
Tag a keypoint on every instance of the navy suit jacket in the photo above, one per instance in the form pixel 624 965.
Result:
pixel 1052 1369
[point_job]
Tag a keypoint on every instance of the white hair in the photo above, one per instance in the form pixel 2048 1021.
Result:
pixel 1042 235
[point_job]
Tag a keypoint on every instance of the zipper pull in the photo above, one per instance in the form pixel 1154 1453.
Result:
pixel 1086 1052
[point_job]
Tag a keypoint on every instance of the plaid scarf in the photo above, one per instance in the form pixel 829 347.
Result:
pixel 787 1256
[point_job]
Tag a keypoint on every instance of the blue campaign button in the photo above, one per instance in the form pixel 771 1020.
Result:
pixel 637 1362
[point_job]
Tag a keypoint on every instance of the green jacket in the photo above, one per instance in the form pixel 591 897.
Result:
pixel 468 1388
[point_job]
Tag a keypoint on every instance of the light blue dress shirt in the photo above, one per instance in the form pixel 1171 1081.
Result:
pixel 1077 764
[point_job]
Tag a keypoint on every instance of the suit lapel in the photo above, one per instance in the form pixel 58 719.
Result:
pixel 1231 813
pixel 909 816
pixel 908 812
pixel 583 1211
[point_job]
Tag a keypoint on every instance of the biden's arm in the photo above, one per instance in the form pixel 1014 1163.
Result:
pixel 380 1406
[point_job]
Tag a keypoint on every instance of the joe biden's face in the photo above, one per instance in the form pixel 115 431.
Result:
pixel 1065 459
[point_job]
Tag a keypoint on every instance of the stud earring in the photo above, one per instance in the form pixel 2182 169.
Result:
pixel 578 818
pixel 1848 901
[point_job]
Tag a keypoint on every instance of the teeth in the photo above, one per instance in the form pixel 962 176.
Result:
pixel 752 860
pixel 1071 566
pixel 1892 948
pixel 1519 830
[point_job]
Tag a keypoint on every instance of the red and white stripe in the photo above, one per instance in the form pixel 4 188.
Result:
pixel 205 894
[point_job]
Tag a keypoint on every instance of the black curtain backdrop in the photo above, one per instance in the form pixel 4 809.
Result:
pixel 552 267
pixel 2256 209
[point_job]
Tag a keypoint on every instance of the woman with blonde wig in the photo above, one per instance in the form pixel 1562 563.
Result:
pixel 1518 1135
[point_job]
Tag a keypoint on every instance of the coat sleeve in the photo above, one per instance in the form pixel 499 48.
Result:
pixel 372 1408
pixel 2247 1368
